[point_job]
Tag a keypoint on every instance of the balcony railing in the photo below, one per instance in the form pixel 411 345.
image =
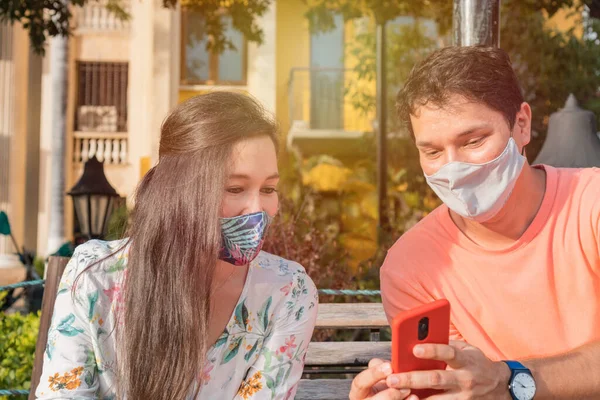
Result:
pixel 318 100
pixel 95 17
pixel 109 148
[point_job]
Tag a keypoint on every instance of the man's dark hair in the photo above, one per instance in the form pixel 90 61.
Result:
pixel 481 74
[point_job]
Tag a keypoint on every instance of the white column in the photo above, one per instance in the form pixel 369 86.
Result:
pixel 153 76
pixel 59 59
pixel 262 72
pixel 45 156
pixel 139 103
pixel 165 69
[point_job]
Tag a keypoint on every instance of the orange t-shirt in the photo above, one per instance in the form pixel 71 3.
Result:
pixel 539 297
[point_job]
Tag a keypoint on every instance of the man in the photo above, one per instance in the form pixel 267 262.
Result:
pixel 515 248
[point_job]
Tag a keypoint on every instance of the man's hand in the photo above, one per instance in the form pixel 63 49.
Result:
pixel 371 384
pixel 470 374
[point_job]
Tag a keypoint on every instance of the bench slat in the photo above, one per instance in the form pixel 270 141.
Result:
pixel 351 315
pixel 323 389
pixel 346 353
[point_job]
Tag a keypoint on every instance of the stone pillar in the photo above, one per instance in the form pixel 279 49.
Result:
pixel 19 139
pixel 262 71
pixel 153 76
pixel 7 137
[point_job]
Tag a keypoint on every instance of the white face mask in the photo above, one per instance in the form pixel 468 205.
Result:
pixel 478 191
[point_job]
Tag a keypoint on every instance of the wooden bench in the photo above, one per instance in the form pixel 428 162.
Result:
pixel 320 354
pixel 343 354
pixel 55 269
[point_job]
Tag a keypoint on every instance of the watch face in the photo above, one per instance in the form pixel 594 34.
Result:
pixel 523 386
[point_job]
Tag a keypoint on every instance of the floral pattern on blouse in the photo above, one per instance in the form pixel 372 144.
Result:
pixel 259 355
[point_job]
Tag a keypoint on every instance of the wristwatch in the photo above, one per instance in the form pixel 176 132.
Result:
pixel 521 384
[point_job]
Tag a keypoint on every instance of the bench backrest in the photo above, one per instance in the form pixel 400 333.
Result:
pixel 55 269
pixel 342 354
pixel 320 354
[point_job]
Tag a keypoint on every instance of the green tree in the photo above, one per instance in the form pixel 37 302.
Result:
pixel 550 64
pixel 44 19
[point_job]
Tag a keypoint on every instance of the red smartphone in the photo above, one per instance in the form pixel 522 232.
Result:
pixel 429 323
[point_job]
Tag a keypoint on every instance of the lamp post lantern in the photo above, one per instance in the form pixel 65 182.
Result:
pixel 93 200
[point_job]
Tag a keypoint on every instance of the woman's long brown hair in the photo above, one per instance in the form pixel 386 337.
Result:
pixel 175 240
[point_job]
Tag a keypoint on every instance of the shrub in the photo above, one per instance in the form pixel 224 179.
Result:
pixel 18 335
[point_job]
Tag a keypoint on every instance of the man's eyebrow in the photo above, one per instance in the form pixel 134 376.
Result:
pixel 467 132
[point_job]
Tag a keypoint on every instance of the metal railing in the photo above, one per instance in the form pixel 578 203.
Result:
pixel 318 98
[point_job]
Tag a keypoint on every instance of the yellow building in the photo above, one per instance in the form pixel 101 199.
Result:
pixel 124 77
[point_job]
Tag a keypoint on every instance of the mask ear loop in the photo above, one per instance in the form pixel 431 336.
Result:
pixel 522 149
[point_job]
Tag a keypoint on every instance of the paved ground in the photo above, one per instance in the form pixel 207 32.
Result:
pixel 11 275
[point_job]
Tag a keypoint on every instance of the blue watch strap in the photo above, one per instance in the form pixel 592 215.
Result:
pixel 515 365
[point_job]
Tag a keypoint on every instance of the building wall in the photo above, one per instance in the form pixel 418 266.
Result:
pixel 19 135
pixel 7 134
pixel 292 50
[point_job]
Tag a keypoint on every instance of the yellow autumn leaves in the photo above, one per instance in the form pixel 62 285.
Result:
pixel 356 202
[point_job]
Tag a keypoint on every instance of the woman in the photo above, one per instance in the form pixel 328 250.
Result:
pixel 188 307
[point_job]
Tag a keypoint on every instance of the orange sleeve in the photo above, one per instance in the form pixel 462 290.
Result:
pixel 399 290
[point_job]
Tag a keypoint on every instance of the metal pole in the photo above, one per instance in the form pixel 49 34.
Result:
pixel 382 102
pixel 476 22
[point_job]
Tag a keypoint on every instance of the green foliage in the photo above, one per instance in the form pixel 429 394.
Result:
pixel 320 12
pixel 43 19
pixel 407 44
pixel 18 335
pixel 118 222
pixel 549 64
pixel 39 265
pixel 243 13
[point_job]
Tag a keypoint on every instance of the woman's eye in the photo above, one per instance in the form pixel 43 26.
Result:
pixel 269 190
pixel 235 190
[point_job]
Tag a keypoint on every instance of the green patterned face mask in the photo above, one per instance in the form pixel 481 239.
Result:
pixel 243 237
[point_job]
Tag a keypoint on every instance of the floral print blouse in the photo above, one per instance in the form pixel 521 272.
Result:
pixel 260 354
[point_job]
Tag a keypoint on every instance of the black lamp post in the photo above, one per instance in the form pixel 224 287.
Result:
pixel 93 200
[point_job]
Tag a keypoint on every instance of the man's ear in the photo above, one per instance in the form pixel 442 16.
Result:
pixel 522 127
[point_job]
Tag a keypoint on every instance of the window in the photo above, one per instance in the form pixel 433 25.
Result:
pixel 101 97
pixel 198 66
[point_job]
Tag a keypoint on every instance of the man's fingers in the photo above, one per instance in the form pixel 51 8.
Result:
pixel 379 387
pixel 438 379
pixel 391 394
pixel 459 344
pixel 363 383
pixel 375 362
pixel 449 395
pixel 442 352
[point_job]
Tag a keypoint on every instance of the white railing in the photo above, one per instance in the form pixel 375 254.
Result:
pixel 94 17
pixel 109 148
